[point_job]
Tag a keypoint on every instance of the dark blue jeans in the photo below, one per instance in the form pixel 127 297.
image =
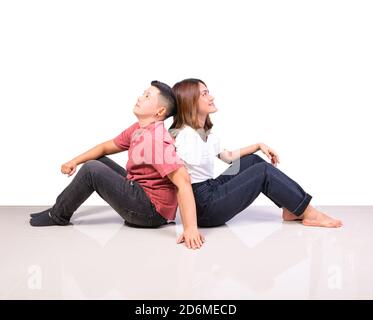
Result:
pixel 108 179
pixel 219 200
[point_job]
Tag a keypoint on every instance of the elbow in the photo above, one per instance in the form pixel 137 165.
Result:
pixel 103 150
pixel 183 181
pixel 227 156
pixel 188 180
pixel 180 178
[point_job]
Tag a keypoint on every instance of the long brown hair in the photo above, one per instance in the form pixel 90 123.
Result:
pixel 187 95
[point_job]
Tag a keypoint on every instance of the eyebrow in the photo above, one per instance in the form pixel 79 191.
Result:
pixel 204 90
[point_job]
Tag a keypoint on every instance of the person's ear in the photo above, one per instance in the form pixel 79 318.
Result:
pixel 161 112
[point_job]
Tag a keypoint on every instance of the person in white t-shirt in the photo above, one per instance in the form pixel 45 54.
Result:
pixel 219 200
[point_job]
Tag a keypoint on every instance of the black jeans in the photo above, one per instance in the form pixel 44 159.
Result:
pixel 108 179
pixel 219 200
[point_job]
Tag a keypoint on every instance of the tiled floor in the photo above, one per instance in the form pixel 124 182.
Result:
pixel 254 256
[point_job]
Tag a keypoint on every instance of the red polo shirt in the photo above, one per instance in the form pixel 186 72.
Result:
pixel 151 157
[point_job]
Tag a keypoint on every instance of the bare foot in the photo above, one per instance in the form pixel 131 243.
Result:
pixel 314 218
pixel 289 216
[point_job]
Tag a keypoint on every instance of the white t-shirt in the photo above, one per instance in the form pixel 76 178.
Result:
pixel 198 155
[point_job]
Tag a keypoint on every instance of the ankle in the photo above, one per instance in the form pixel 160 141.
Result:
pixel 309 212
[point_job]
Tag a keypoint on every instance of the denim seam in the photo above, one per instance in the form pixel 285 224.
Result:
pixel 59 220
pixel 306 198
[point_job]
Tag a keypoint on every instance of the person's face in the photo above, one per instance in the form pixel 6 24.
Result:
pixel 148 104
pixel 206 101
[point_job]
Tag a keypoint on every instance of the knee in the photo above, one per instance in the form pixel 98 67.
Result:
pixel 102 159
pixel 257 158
pixel 263 167
pixel 91 165
pixel 252 159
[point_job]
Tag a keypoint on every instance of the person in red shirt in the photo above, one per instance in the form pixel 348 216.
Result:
pixel 147 192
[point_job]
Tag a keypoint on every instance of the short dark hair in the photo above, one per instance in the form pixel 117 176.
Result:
pixel 167 93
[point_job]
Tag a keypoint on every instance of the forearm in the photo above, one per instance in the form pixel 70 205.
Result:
pixel 187 206
pixel 92 154
pixel 248 150
pixel 230 156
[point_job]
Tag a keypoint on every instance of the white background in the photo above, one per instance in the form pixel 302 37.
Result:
pixel 296 75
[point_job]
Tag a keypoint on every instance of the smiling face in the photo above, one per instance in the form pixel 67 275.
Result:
pixel 147 105
pixel 194 105
pixel 206 103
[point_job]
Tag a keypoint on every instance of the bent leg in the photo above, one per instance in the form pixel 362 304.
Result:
pixel 113 165
pixel 239 166
pixel 124 196
pixel 109 162
pixel 240 191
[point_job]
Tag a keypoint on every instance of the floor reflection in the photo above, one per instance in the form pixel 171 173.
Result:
pixel 255 256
